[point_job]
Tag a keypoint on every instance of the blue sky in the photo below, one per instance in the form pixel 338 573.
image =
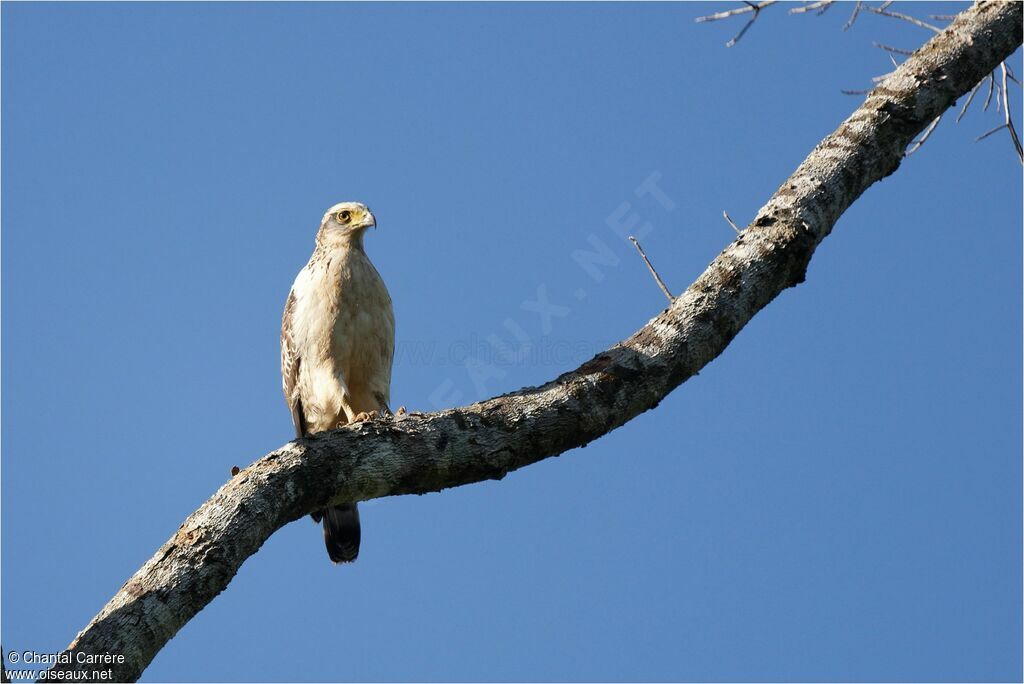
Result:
pixel 837 497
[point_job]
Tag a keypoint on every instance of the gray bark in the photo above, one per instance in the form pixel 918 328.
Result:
pixel 419 453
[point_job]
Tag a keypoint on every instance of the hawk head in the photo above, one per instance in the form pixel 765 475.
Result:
pixel 346 220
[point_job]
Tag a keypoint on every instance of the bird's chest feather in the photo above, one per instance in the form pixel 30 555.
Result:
pixel 344 309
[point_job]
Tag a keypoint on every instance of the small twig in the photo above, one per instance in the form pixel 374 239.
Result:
pixel 885 5
pixel 991 87
pixel 994 130
pixel 750 7
pixel 942 17
pixel 916 145
pixel 725 214
pixel 654 273
pixel 889 48
pixel 821 5
pixel 855 92
pixel 967 103
pixel 853 17
pixel 1009 72
pixel 904 17
pixel 1009 121
pixel 735 39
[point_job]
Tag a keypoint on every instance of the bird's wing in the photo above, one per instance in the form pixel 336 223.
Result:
pixel 387 352
pixel 383 340
pixel 290 363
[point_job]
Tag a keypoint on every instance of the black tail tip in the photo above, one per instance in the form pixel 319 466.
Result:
pixel 342 533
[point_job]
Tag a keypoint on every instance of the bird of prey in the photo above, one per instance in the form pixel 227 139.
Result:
pixel 337 344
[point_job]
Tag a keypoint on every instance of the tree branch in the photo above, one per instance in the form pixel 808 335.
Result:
pixel 853 17
pixel 748 6
pixel 417 453
pixel 904 17
pixel 650 267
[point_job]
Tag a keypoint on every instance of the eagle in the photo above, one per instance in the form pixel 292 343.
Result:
pixel 337 346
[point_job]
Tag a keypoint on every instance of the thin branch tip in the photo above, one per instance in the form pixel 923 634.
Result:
pixel 853 17
pixel 905 17
pixel 650 267
pixel 748 6
pixel 1009 119
pixel 916 145
pixel 725 215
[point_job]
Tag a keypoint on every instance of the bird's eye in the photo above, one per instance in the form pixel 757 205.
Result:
pixel 344 216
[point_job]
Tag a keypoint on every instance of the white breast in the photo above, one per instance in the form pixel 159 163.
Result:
pixel 343 331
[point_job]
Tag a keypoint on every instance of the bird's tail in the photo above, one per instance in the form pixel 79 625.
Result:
pixel 341 532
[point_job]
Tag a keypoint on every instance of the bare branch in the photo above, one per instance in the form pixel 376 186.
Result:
pixel 725 214
pixel 916 145
pixel 735 39
pixel 1009 72
pixel 855 92
pixel 889 48
pixel 418 453
pixel 967 103
pixel 942 17
pixel 821 6
pixel 991 89
pixel 650 267
pixel 994 130
pixel 748 7
pixel 1009 121
pixel 853 16
pixel 904 17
